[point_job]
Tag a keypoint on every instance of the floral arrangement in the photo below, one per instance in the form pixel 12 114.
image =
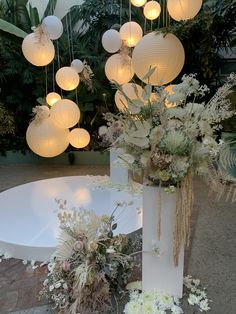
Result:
pixel 150 302
pixel 91 265
pixel 170 136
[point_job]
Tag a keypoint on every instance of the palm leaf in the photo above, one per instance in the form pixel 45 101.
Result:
pixel 50 8
pixel 12 29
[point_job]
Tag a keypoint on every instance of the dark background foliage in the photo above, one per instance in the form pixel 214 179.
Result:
pixel 22 84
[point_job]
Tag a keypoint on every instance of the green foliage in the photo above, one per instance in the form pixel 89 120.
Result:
pixel 6 121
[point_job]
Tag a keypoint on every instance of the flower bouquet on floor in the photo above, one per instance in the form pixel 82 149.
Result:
pixel 91 265
pixel 170 135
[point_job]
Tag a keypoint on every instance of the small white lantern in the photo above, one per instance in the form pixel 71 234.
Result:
pixel 152 10
pixel 65 113
pixel 52 26
pixel 111 41
pixel 169 90
pixel 119 69
pixel 162 52
pixel 79 138
pixel 131 33
pixel 183 9
pixel 46 139
pixel 77 65
pixel 67 78
pixel 38 49
pixel 138 3
pixel 52 98
pixel 132 91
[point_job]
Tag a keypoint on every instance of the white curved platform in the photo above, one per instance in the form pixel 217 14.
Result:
pixel 29 225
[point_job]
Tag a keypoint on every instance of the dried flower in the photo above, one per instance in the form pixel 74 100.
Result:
pixel 78 246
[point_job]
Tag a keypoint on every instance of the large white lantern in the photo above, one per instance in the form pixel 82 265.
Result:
pixel 65 113
pixel 131 33
pixel 183 9
pixel 52 26
pixel 138 3
pixel 111 41
pixel 162 52
pixel 119 68
pixel 77 65
pixel 132 91
pixel 46 139
pixel 52 98
pixel 38 49
pixel 67 78
pixel 79 138
pixel 152 10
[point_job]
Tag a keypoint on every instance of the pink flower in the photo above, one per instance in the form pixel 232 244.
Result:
pixel 78 246
pixel 66 266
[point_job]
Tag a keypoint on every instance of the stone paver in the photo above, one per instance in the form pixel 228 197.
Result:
pixel 211 257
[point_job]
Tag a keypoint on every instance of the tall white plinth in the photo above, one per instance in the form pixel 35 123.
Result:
pixel 118 175
pixel 159 272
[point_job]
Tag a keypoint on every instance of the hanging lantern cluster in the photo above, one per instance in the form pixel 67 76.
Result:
pixel 48 135
pixel 37 47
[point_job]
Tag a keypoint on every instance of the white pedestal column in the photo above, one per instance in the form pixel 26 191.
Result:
pixel 118 175
pixel 159 272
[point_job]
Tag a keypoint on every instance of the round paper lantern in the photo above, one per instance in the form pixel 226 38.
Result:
pixel 111 41
pixel 132 91
pixel 183 9
pixel 52 26
pixel 79 138
pixel 138 3
pixel 77 65
pixel 52 98
pixel 165 53
pixel 65 113
pixel 67 78
pixel 46 139
pixel 38 49
pixel 152 10
pixel 169 90
pixel 131 33
pixel 119 68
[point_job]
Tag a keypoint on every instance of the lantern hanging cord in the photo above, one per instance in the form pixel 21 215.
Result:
pixel 130 15
pixel 53 75
pixel 68 36
pixel 46 80
pixel 71 36
pixel 121 8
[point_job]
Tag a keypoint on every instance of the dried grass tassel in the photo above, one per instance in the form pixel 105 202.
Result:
pixel 184 206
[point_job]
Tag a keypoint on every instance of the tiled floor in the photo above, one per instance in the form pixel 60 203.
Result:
pixel 211 257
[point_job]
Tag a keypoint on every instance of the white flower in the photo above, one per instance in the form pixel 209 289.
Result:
pixel 110 250
pixel 45 282
pixel 193 299
pixel 132 308
pixel 51 288
pixel 204 306
pixel 64 286
pixel 176 310
pixel 25 262
pixel 102 130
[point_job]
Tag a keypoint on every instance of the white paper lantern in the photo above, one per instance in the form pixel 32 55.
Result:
pixel 65 113
pixel 79 138
pixel 169 90
pixel 165 53
pixel 67 78
pixel 52 26
pixel 132 91
pixel 131 33
pixel 77 65
pixel 119 68
pixel 52 98
pixel 46 139
pixel 38 50
pixel 152 10
pixel 111 41
pixel 183 9
pixel 138 3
